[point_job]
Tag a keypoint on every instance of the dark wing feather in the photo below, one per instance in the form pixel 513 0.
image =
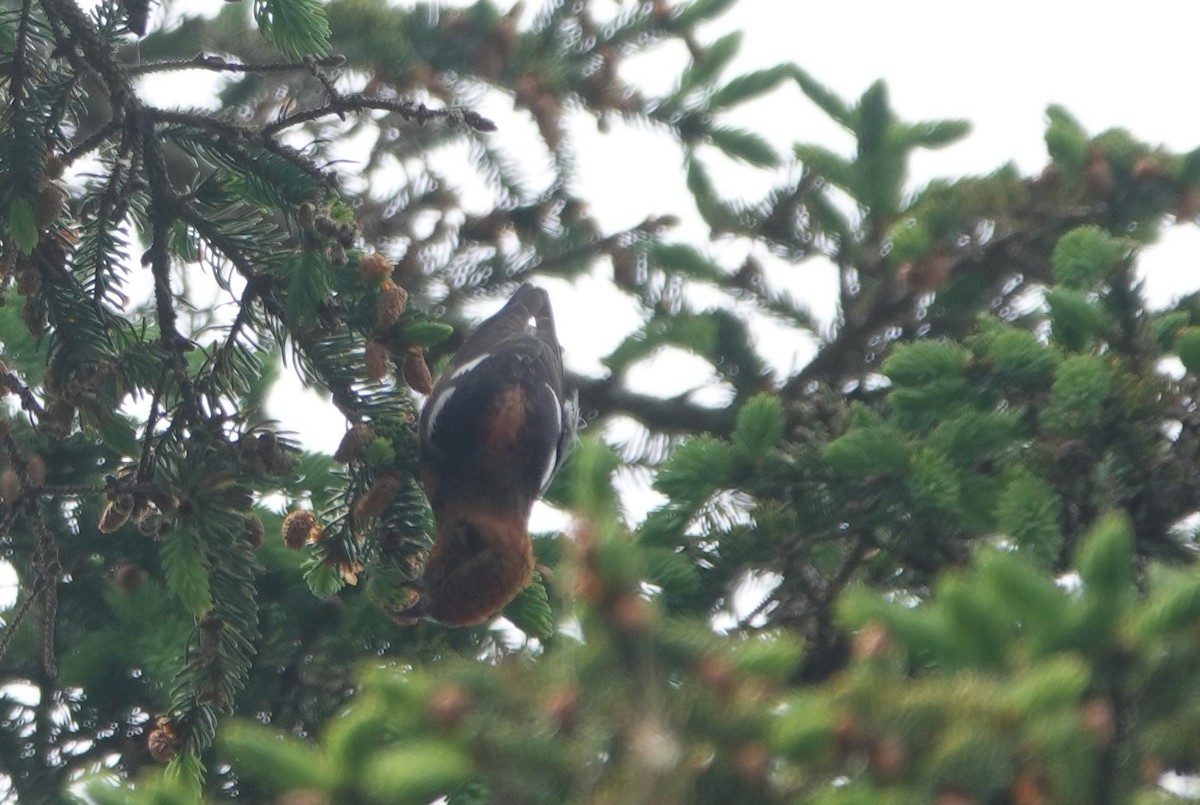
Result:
pixel 551 363
pixel 509 332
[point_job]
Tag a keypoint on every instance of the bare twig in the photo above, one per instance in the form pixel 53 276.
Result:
pixel 91 142
pixel 49 570
pixel 10 382
pixel 672 415
pixel 18 616
pixel 237 132
pixel 165 208
pixel 331 91
pixel 214 63
pixel 146 456
pixel 409 110
pixel 45 556
pixel 65 490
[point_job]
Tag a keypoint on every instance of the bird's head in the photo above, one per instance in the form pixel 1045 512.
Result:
pixel 478 563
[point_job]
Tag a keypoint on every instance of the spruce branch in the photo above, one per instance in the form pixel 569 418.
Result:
pixel 237 133
pixel 46 558
pixel 331 92
pixel 358 102
pixel 343 395
pixel 244 317
pixel 18 66
pixel 146 453
pixel 672 415
pixel 215 63
pixel 65 490
pixel 18 615
pixel 91 142
pixel 297 160
pixel 46 565
pixel 1020 249
pixel 201 120
pixel 98 55
pixel 10 382
pixel 164 205
pixel 16 459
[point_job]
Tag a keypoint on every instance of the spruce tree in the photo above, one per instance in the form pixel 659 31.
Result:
pixel 968 521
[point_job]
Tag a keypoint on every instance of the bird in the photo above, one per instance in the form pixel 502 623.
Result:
pixel 493 432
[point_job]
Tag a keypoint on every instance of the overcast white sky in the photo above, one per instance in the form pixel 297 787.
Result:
pixel 996 65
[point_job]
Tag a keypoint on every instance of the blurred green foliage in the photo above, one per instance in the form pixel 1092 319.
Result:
pixel 950 559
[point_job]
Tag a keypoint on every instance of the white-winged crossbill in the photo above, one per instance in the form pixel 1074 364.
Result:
pixel 493 432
